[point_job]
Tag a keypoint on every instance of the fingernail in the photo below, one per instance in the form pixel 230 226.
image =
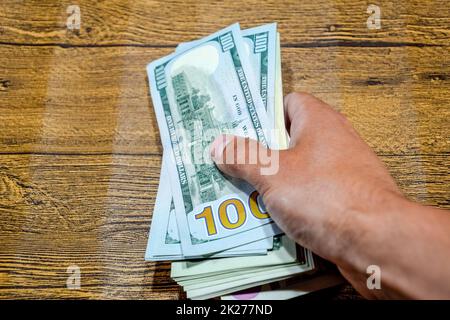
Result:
pixel 218 145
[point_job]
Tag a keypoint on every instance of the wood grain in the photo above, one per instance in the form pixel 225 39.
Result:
pixel 79 146
pixel 89 211
pixel 96 100
pixel 94 211
pixel 156 23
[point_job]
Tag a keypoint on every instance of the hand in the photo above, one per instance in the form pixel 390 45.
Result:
pixel 331 193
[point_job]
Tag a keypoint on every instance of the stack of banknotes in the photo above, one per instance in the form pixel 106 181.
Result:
pixel 215 228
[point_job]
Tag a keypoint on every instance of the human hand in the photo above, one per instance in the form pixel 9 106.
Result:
pixel 330 188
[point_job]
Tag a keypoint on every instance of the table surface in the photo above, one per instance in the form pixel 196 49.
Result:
pixel 80 152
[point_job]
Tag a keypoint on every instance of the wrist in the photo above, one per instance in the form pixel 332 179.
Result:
pixel 367 229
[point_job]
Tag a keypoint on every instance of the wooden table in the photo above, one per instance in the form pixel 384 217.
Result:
pixel 80 151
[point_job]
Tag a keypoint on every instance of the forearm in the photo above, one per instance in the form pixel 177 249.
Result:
pixel 334 196
pixel 410 243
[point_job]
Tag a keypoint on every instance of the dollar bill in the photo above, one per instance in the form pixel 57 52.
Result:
pixel 260 43
pixel 208 278
pixel 209 87
pixel 278 114
pixel 164 241
pixel 206 288
pixel 237 276
pixel 261 48
pixel 239 273
pixel 256 278
pixel 284 252
pixel 215 277
pixel 288 288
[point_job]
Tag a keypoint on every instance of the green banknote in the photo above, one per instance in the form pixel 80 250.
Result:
pixel 164 243
pixel 260 46
pixel 284 252
pixel 164 240
pixel 240 273
pixel 240 283
pixel 278 113
pixel 288 288
pixel 212 277
pixel 198 93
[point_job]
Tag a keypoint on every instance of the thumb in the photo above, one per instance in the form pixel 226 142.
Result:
pixel 246 159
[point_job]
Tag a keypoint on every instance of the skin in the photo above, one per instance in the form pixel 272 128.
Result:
pixel 333 195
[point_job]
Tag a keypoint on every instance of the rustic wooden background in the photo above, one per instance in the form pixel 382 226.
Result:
pixel 79 146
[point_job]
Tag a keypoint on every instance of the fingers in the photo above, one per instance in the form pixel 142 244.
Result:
pixel 245 159
pixel 299 109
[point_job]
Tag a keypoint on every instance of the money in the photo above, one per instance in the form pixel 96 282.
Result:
pixel 214 277
pixel 278 112
pixel 215 228
pixel 260 43
pixel 198 93
pixel 261 48
pixel 288 288
pixel 164 241
pixel 284 252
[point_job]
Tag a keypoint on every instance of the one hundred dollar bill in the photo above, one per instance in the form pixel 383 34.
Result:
pixel 164 241
pixel 260 46
pixel 289 288
pixel 284 252
pixel 210 285
pixel 260 43
pixel 213 277
pixel 242 282
pixel 281 133
pixel 199 93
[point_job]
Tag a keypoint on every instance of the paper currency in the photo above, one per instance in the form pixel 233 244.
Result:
pixel 228 82
pixel 198 93
pixel 284 252
pixel 260 43
pixel 164 241
pixel 219 276
pixel 288 288
pixel 205 289
pixel 261 48
pixel 278 113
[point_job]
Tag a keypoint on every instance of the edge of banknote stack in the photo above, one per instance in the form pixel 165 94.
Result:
pixel 216 229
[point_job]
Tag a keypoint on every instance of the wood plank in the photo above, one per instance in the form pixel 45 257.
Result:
pixel 149 22
pixel 96 100
pixel 79 144
pixel 422 178
pixel 94 211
